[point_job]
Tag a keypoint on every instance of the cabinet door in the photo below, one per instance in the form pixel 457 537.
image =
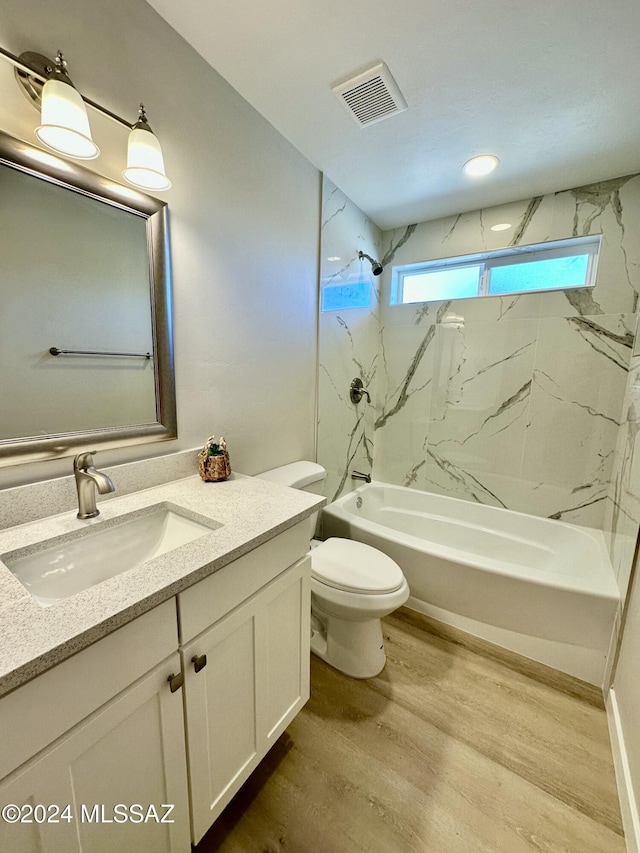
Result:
pixel 129 752
pixel 255 680
pixel 221 714
pixel 284 626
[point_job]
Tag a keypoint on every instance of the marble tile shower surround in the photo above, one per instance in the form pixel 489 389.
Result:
pixel 348 342
pixel 522 401
pixel 622 508
pixel 514 401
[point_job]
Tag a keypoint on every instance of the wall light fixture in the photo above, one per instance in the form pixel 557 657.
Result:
pixel 145 164
pixel 64 126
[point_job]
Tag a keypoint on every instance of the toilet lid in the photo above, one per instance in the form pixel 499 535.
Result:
pixel 355 567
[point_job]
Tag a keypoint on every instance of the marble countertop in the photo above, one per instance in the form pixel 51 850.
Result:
pixel 34 638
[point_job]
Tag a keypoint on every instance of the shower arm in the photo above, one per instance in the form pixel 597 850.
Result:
pixel 376 266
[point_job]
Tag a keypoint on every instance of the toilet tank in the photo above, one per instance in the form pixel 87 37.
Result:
pixel 306 476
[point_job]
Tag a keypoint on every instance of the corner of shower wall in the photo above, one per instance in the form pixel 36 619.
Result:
pixel 622 514
pixel 348 338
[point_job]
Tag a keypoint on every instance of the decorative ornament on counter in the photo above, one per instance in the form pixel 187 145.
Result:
pixel 214 460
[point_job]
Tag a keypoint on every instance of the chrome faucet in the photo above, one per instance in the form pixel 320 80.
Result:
pixel 88 482
pixel 358 475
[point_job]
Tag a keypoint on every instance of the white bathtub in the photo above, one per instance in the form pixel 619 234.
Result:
pixel 542 588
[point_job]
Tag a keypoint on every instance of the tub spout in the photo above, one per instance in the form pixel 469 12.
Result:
pixel 358 475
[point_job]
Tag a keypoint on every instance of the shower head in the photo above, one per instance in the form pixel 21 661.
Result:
pixel 376 266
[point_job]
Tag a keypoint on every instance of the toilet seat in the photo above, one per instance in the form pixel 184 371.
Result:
pixel 355 568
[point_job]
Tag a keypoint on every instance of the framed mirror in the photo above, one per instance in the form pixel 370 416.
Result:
pixel 86 349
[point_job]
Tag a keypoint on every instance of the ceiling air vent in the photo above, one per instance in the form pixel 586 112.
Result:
pixel 371 96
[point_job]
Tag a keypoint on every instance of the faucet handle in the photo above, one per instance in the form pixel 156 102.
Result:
pixel 357 391
pixel 83 460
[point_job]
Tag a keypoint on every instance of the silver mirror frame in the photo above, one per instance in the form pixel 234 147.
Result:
pixel 34 161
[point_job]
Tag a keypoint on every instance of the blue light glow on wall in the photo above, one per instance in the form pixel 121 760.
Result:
pixel 340 296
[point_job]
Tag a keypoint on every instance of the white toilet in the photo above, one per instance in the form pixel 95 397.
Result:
pixel 352 587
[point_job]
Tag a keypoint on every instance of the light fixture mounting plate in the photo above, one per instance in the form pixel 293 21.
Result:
pixel 30 85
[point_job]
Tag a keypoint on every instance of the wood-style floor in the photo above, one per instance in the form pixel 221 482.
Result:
pixel 448 750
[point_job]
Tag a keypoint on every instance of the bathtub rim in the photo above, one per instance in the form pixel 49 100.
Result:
pixel 599 584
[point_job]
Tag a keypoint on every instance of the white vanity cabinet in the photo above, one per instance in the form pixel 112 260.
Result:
pixel 130 750
pixel 110 769
pixel 246 673
pixel 104 730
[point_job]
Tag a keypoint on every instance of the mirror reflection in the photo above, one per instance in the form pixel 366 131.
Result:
pixel 85 350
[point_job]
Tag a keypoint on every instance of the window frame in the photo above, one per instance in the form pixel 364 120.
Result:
pixel 512 256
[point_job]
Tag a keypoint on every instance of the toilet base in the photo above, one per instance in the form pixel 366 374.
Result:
pixel 354 648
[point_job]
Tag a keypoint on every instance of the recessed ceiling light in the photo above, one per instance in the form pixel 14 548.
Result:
pixel 334 258
pixel 502 226
pixel 481 165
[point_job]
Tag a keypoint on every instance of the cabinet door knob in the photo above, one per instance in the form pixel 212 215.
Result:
pixel 199 662
pixel 175 681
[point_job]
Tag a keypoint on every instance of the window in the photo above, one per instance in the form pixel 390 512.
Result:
pixel 522 269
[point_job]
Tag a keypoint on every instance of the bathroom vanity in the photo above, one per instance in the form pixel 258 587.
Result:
pixel 144 702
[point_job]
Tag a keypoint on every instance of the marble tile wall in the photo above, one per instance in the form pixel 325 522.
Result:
pixel 622 508
pixel 531 402
pixel 348 342
pixel 513 401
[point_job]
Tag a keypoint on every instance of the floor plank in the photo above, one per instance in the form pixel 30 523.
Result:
pixel 447 750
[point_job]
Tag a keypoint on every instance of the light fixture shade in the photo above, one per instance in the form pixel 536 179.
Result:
pixel 145 164
pixel 65 125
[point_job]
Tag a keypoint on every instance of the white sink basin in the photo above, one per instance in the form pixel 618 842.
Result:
pixel 61 567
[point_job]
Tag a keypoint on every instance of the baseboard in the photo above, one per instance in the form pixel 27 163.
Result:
pixel 628 808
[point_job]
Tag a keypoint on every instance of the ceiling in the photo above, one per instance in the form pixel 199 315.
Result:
pixel 552 88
